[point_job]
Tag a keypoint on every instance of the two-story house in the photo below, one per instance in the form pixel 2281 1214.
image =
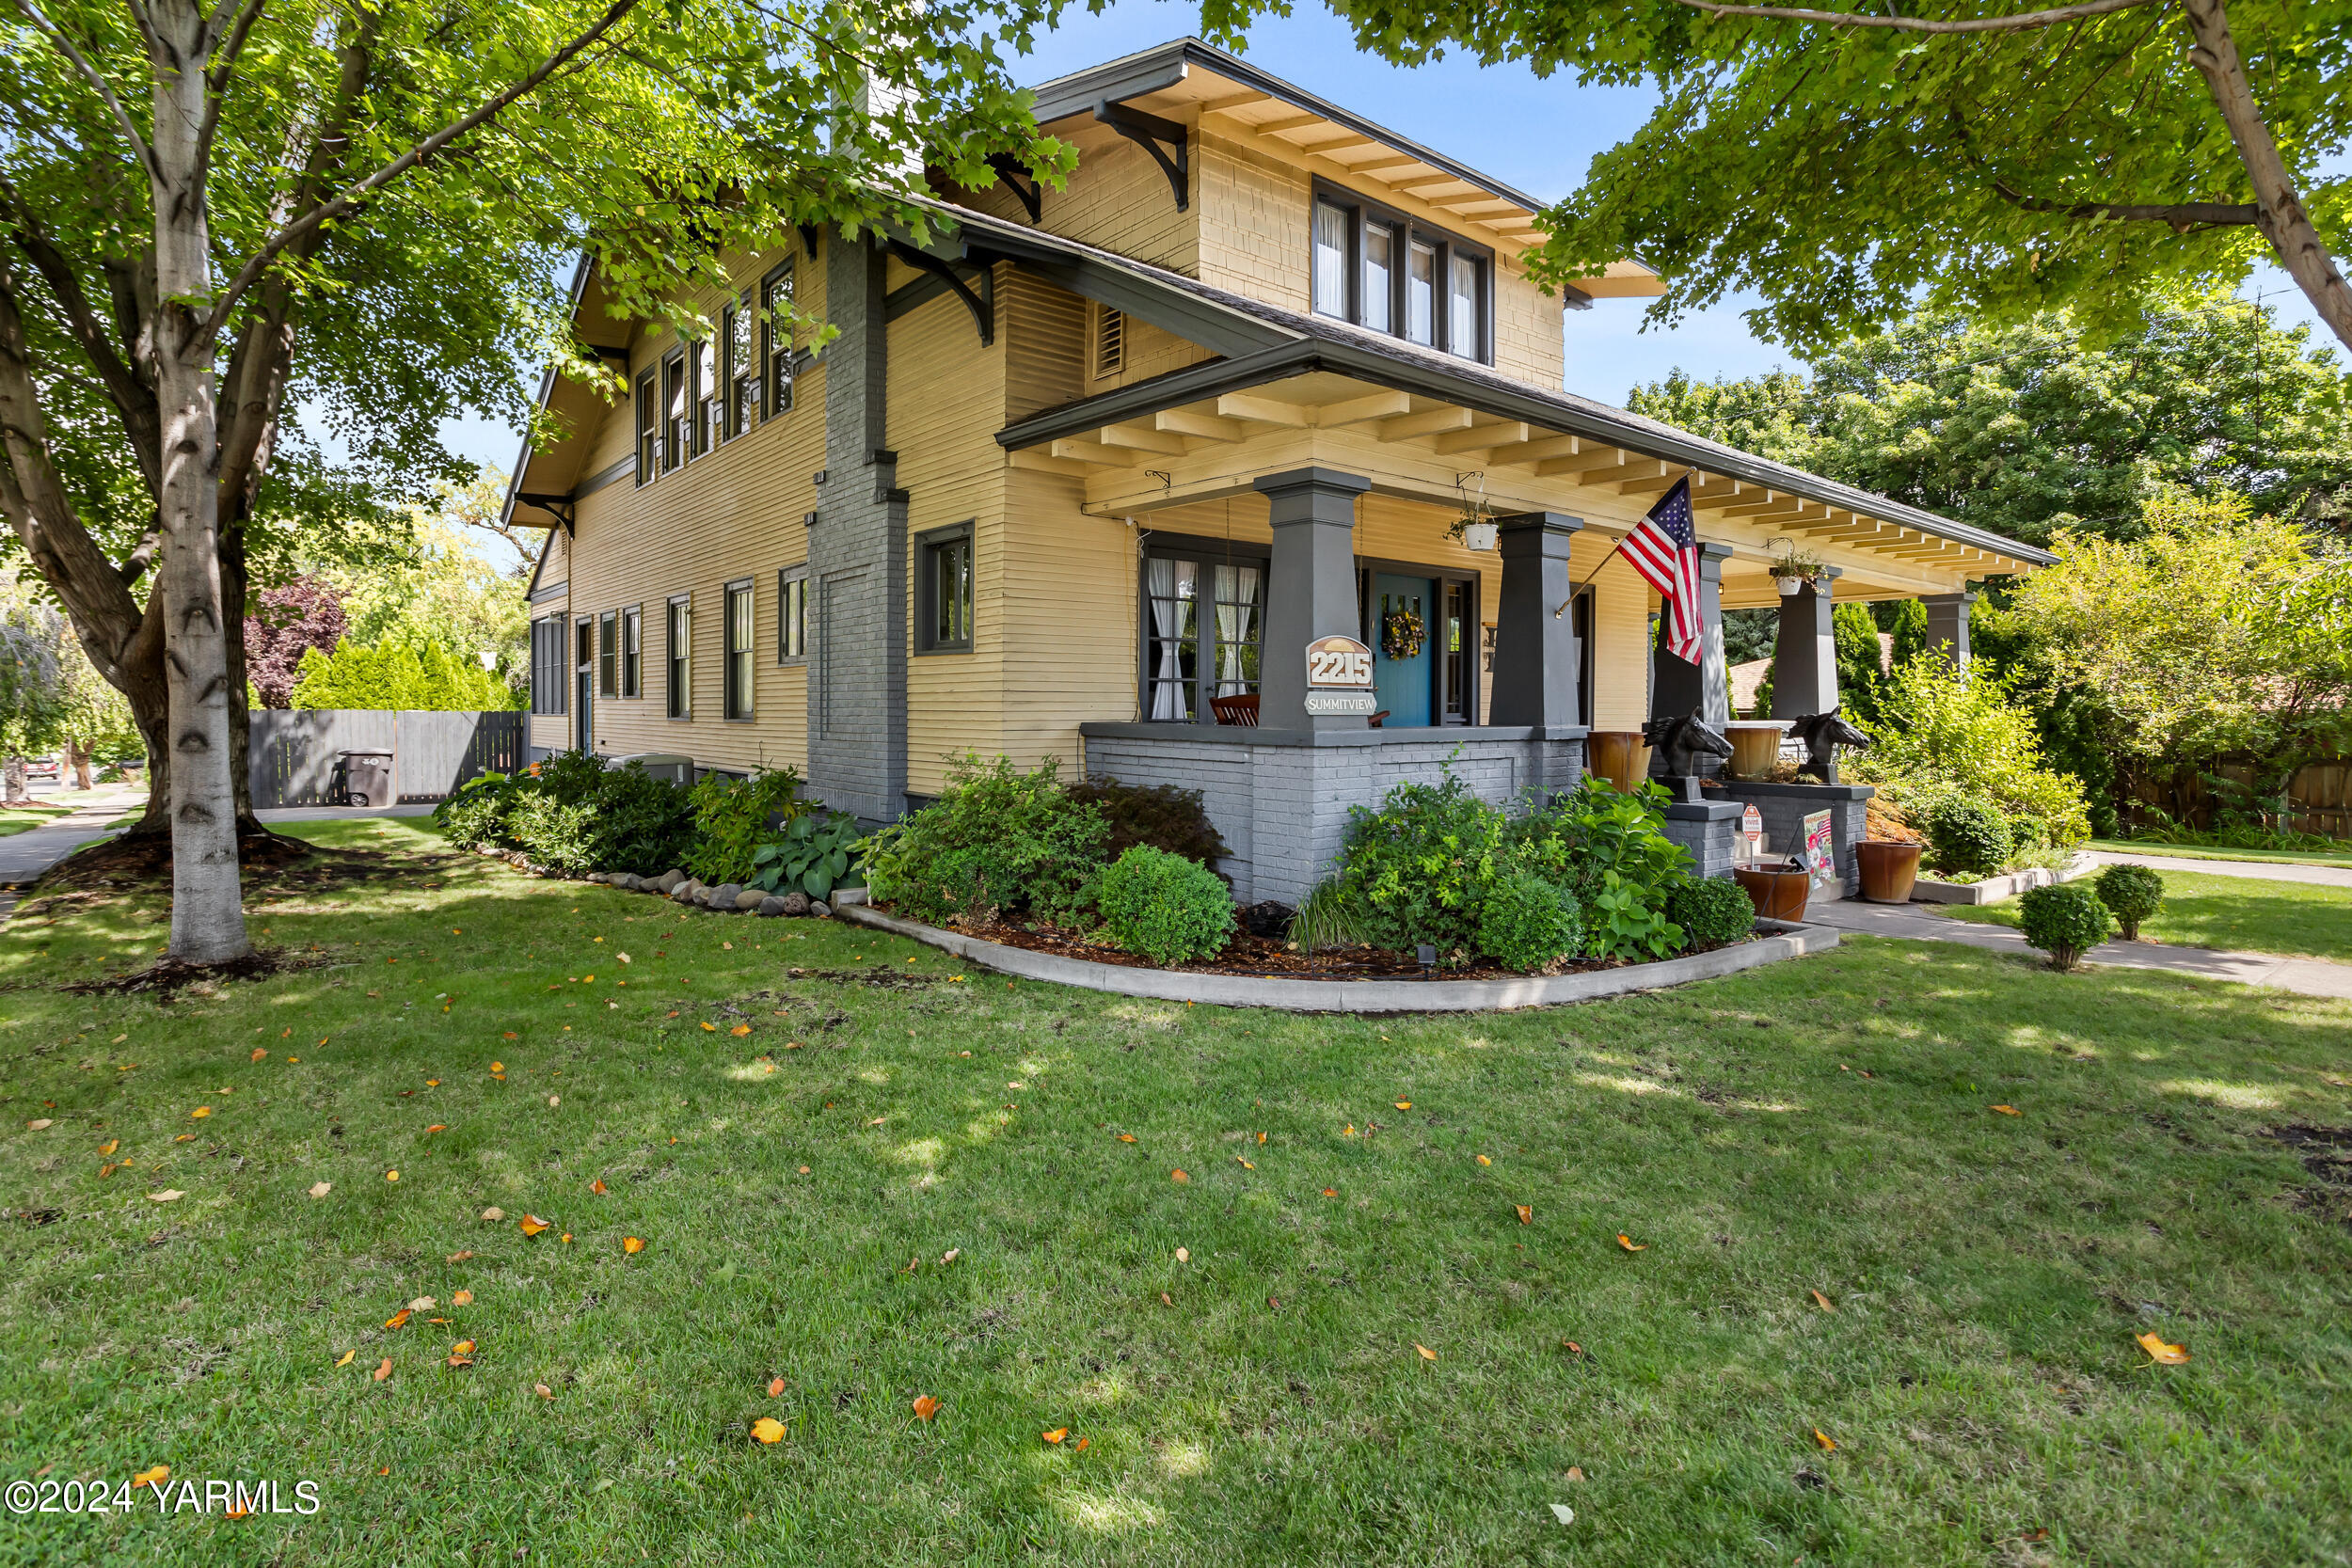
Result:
pixel 1101 461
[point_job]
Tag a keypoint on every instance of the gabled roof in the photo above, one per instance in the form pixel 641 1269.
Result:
pixel 1260 343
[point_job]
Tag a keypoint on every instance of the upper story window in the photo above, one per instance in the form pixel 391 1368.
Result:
pixel 673 410
pixel 742 367
pixel 944 584
pixel 1390 273
pixel 775 341
pixel 648 426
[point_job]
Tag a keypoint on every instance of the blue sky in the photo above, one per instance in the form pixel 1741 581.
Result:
pixel 1537 135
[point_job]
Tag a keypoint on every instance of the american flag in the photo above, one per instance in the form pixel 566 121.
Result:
pixel 1664 548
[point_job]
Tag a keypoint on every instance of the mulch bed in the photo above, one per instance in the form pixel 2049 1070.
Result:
pixel 1266 957
pixel 165 978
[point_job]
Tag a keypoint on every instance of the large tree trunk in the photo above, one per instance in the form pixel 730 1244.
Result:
pixel 207 907
pixel 13 780
pixel 77 758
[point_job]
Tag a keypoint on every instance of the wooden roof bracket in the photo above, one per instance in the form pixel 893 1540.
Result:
pixel 983 310
pixel 559 507
pixel 1148 131
pixel 1023 186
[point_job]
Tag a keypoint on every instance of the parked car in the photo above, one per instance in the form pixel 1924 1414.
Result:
pixel 43 767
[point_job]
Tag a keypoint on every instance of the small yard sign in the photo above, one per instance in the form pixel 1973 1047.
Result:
pixel 1752 833
pixel 1339 676
pixel 1820 852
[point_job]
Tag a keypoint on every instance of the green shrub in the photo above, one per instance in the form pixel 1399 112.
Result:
pixel 1966 833
pixel 1712 912
pixel 733 816
pixel 475 814
pixel 814 854
pixel 1526 923
pixel 559 833
pixel 1609 849
pixel 396 674
pixel 2131 893
pixel 1162 816
pixel 995 841
pixel 2065 922
pixel 1163 907
pixel 1329 916
pixel 1418 866
pixel 1939 729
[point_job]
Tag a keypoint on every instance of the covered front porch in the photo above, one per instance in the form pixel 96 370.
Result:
pixel 1319 505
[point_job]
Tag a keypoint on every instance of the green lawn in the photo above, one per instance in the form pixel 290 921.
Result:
pixel 2202 852
pixel 25 818
pixel 2206 910
pixel 1826 1125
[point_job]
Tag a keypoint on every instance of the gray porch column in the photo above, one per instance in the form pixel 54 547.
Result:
pixel 1677 687
pixel 1948 625
pixel 1535 650
pixel 1805 659
pixel 1310 588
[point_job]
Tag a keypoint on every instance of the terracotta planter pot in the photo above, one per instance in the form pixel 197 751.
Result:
pixel 1888 870
pixel 1778 894
pixel 1755 748
pixel 1617 756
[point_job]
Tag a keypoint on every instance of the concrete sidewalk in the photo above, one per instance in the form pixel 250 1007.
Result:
pixel 24 856
pixel 2261 871
pixel 1911 922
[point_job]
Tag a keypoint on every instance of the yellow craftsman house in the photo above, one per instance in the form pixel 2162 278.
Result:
pixel 1085 477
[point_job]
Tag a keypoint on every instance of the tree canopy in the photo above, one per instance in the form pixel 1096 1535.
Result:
pixel 2000 158
pixel 2032 428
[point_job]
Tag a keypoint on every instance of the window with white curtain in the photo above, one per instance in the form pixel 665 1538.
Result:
pixel 1331 225
pixel 1421 278
pixel 1203 624
pixel 1379 275
pixel 1462 335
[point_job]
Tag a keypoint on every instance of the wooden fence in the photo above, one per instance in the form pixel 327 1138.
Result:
pixel 296 755
pixel 2319 795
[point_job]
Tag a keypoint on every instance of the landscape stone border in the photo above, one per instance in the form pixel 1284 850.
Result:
pixel 1993 890
pixel 1782 941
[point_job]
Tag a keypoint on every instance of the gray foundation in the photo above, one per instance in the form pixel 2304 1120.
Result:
pixel 1785 807
pixel 1280 798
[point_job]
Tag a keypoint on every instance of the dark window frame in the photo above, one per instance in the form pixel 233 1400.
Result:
pixel 792 614
pixel 677 662
pixel 703 392
pixel 648 424
pixel 1208 553
pixel 931 548
pixel 550 666
pixel 1446 579
pixel 675 410
pixel 1362 210
pixel 632 651
pixel 607 653
pixel 742 369
pixel 775 343
pixel 739 668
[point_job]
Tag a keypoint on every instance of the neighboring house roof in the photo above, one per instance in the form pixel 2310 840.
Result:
pixel 1263 343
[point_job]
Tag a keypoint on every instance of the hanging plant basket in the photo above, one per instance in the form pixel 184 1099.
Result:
pixel 1478 536
pixel 1789 585
pixel 1402 634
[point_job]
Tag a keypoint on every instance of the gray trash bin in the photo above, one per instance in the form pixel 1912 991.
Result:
pixel 367 778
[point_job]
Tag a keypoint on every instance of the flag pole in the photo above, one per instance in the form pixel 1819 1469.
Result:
pixel 1562 608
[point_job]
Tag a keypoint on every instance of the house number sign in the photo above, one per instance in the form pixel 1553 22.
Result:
pixel 1339 676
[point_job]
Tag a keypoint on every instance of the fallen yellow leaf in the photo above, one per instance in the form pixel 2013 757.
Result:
pixel 391 1176
pixel 384 1369
pixel 1126 1137
pixel 1527 1213
pixel 399 1318
pixel 713 1027
pixel 347 1358
pixel 260 1052
pixel 1822 1302
pixel 439 1127
pixel 148 1478
pixel 1080 1446
pixel 463 1298
pixel 776 1387
pixel 499 1066
pixel 1824 1439
pixel 768 1430
pixel 598 1185
pixel 531 1225
pixel 1426 1353
pixel 1178 1175
pixel 202 1112
pixel 320 1189
pixel 109 1146
pixel 1184 1255
pixel 1630 1244
pixel 1055 1435
pixel 2169 1355
pixel 169 1194
pixel 924 1407
pixel 740 1029
pixel 2008 1109
pixel 493 1214
pixel 1484 1161
pixel 1403 1104
pixel 632 1243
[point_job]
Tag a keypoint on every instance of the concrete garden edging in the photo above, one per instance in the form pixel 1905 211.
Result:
pixel 1993 889
pixel 1358 996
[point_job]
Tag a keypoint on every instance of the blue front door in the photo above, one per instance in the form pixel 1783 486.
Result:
pixel 1402 684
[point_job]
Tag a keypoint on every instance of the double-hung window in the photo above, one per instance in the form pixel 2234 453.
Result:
pixel 632 652
pixel 737 695
pixel 672 411
pixel 1388 271
pixel 551 671
pixel 649 427
pixel 944 584
pixel 609 654
pixel 1203 624
pixel 703 397
pixel 679 649
pixel 742 366
pixel 775 341
pixel 791 614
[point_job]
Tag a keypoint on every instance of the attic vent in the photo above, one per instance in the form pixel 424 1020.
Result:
pixel 1110 341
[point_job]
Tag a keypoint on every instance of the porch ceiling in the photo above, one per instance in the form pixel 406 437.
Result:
pixel 1423 447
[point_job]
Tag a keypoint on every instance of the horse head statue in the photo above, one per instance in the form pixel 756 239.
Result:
pixel 1682 740
pixel 1821 735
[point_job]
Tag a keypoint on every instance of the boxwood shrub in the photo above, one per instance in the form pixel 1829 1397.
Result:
pixel 1526 923
pixel 1712 912
pixel 996 841
pixel 2065 922
pixel 2131 893
pixel 1165 907
pixel 1967 834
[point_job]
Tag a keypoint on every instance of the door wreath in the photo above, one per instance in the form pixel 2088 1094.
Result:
pixel 1402 634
